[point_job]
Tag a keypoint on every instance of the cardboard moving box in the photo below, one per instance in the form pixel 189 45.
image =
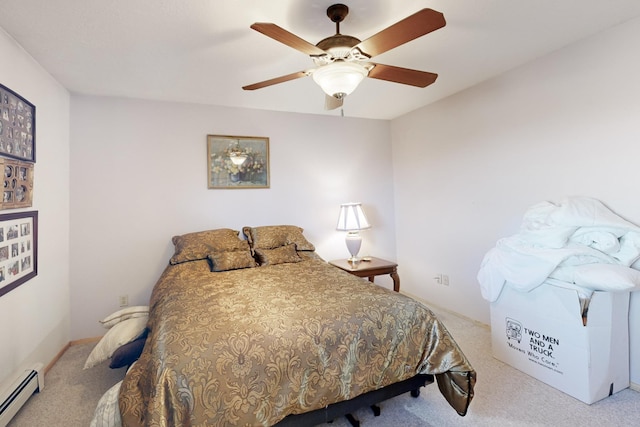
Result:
pixel 542 334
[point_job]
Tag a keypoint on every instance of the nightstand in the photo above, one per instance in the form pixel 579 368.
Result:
pixel 370 269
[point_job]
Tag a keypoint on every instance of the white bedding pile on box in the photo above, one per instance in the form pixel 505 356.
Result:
pixel 579 242
pixel 559 292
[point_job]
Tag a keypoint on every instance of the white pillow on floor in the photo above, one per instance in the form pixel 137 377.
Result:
pixel 107 412
pixel 124 314
pixel 119 335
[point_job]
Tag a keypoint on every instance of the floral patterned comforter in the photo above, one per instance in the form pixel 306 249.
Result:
pixel 249 347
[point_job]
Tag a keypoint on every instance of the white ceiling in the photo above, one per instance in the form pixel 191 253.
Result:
pixel 203 51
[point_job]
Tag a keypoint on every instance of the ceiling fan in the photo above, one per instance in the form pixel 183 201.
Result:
pixel 342 61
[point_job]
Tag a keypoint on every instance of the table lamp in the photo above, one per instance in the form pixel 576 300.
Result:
pixel 352 219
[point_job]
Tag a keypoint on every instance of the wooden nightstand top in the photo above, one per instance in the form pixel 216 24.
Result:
pixel 365 267
pixel 370 269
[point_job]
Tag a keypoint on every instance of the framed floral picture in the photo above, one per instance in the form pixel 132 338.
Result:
pixel 18 249
pixel 237 162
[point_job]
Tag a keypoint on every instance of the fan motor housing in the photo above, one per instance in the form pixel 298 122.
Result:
pixel 338 41
pixel 337 12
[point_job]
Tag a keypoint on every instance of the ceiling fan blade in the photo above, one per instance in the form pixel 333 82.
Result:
pixel 331 102
pixel 276 80
pixel 405 76
pixel 283 36
pixel 410 28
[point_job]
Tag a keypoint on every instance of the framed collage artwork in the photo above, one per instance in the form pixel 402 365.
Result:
pixel 18 249
pixel 17 126
pixel 17 189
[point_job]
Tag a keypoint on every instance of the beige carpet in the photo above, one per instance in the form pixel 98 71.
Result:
pixel 504 396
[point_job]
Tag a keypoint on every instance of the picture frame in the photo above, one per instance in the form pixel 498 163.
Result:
pixel 17 126
pixel 18 249
pixel 17 178
pixel 237 162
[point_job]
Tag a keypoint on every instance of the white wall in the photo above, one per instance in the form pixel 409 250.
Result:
pixel 34 317
pixel 139 177
pixel 466 168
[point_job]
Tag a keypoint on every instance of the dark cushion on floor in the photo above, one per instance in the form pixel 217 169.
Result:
pixel 128 353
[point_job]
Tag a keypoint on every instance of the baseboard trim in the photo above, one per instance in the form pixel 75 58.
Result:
pixel 438 307
pixel 85 341
pixel 634 386
pixel 55 359
pixel 66 347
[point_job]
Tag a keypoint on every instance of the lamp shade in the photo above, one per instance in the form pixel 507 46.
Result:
pixel 339 78
pixel 352 218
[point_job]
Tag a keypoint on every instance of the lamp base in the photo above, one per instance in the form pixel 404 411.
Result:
pixel 353 241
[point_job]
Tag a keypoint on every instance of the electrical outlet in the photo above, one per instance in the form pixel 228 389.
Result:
pixel 442 279
pixel 123 300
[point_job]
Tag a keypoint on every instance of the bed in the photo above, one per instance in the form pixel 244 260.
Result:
pixel 262 331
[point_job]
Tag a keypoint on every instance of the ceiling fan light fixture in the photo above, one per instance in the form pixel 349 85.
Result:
pixel 340 78
pixel 236 154
pixel 237 159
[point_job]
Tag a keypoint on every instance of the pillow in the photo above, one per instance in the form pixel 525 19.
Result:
pixel 120 334
pixel 107 413
pixel 124 314
pixel 274 236
pixel 231 260
pixel 599 277
pixel 128 353
pixel 307 255
pixel 280 255
pixel 606 277
pixel 196 246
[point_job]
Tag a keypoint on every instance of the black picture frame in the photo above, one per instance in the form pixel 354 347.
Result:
pixel 17 126
pixel 18 249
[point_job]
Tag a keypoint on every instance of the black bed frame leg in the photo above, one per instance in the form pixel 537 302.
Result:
pixel 355 423
pixel 352 420
pixel 415 393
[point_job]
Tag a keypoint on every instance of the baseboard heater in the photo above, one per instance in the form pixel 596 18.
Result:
pixel 19 391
